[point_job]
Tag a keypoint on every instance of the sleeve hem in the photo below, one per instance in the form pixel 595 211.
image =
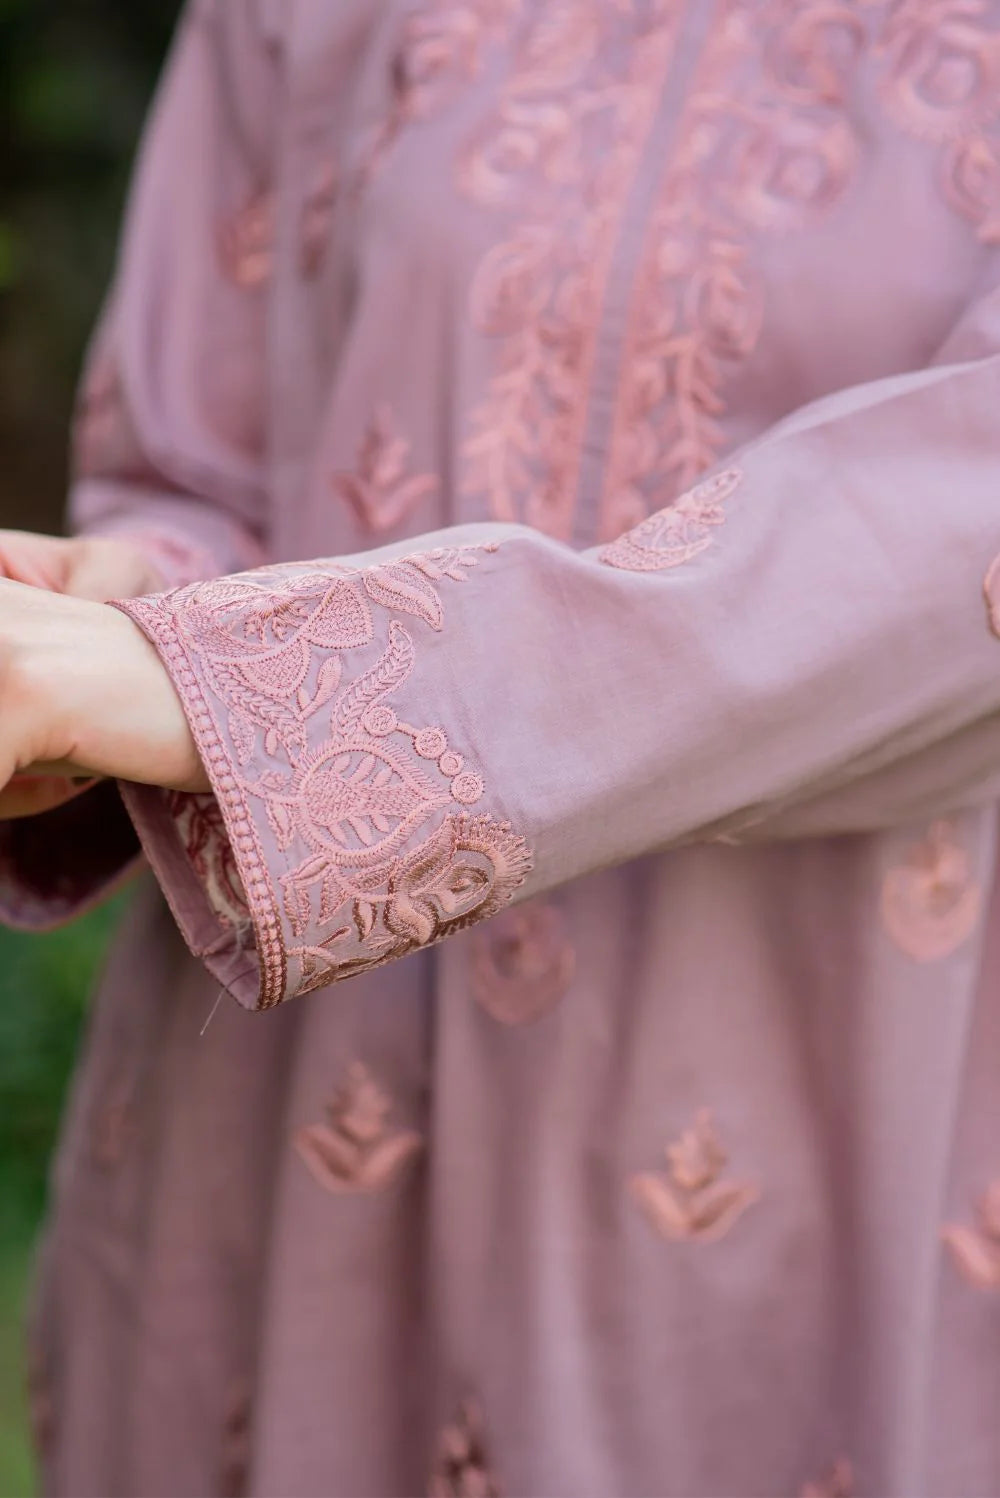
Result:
pixel 173 870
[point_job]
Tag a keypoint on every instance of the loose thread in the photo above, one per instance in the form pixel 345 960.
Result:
pixel 211 1015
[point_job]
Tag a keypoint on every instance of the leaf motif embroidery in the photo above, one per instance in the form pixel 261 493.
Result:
pixel 690 1202
pixel 355 1151
pixel 381 491
pixel 676 535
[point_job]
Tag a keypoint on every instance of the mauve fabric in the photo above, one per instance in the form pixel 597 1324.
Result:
pixel 633 368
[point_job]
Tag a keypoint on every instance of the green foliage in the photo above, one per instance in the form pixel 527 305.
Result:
pixel 77 80
pixel 44 983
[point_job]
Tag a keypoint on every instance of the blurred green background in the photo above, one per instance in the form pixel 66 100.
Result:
pixel 77 77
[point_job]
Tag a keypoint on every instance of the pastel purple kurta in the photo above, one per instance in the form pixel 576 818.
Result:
pixel 655 349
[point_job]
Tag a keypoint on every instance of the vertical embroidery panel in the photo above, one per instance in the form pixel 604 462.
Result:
pixel 692 1201
pixel 355 1150
pixel 563 143
pixel 931 902
pixel 764 145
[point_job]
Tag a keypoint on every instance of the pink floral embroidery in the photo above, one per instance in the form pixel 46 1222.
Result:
pixel 381 492
pixel 356 1151
pixel 461 1467
pixel 570 126
pixel 691 1202
pixel 202 832
pixel 931 902
pixel 270 648
pixel 677 534
pixel 991 591
pixel 764 144
pixel 976 1250
pixel 236 1443
pixel 837 1483
pixel 942 84
pixel 522 963
pixel 246 242
pixel 316 217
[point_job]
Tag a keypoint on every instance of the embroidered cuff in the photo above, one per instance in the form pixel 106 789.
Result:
pixel 350 834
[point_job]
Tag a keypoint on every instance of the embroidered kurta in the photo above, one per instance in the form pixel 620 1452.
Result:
pixel 623 774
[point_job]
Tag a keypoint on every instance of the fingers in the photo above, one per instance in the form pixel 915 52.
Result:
pixel 103 567
pixel 39 561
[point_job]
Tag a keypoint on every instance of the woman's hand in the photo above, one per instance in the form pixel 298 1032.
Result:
pixel 83 693
pixel 96 567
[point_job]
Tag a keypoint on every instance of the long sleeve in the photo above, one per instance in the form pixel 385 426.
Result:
pixel 169 434
pixel 403 742
pixel 168 439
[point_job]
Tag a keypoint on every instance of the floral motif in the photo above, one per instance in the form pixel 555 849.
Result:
pixel 931 902
pixel 942 84
pixel 677 534
pixel 463 873
pixel 246 242
pixel 837 1483
pixel 571 122
pixel 691 1202
pixel 522 963
pixel 355 1150
pixel 976 1250
pixel 461 1466
pixel 381 491
pixel 351 798
pixel 315 218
